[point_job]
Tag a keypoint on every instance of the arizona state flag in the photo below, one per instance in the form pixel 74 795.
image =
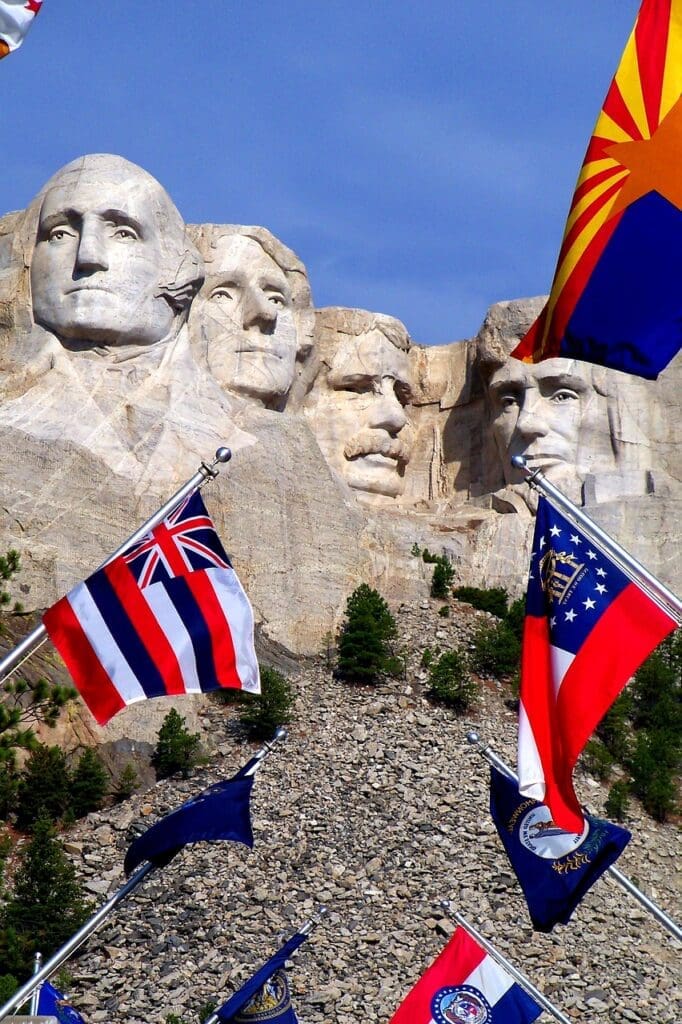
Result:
pixel 616 298
pixel 16 17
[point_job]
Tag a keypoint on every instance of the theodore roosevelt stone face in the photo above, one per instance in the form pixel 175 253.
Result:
pixel 357 407
pixel 109 245
pixel 243 321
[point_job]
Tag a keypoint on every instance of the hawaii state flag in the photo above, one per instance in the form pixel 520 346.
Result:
pixel 16 18
pixel 465 983
pixel 554 868
pixel 587 629
pixel 616 298
pixel 168 616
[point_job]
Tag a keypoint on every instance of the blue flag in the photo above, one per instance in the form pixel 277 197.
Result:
pixel 265 996
pixel 219 812
pixel 51 1003
pixel 554 868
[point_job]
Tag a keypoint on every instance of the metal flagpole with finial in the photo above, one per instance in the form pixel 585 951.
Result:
pixel 90 926
pixel 486 751
pixel 38 636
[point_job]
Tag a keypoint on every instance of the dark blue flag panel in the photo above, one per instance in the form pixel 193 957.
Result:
pixel 554 868
pixel 51 1003
pixel 220 812
pixel 265 996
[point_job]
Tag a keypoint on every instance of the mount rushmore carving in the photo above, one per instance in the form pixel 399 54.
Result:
pixel 132 345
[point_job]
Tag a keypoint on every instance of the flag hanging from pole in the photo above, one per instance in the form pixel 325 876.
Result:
pixel 464 983
pixel 265 996
pixel 587 629
pixel 16 18
pixel 168 616
pixel 51 1003
pixel 220 812
pixel 554 868
pixel 616 297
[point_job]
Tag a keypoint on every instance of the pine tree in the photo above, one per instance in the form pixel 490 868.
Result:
pixel 177 749
pixel 89 784
pixel 127 783
pixel 264 712
pixel 46 907
pixel 443 575
pixel 44 789
pixel 365 650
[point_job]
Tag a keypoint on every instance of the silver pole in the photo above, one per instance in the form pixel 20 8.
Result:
pixel 664 919
pixel 516 974
pixel 305 929
pixel 634 570
pixel 205 472
pixel 33 1009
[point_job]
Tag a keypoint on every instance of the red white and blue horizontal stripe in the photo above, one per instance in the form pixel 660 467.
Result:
pixel 587 629
pixel 166 617
pixel 466 984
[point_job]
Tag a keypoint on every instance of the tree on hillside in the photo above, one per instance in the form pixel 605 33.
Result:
pixel 263 712
pixel 44 787
pixel 177 749
pixel 89 784
pixel 365 646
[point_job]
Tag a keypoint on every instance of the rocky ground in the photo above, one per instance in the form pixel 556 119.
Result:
pixel 377 807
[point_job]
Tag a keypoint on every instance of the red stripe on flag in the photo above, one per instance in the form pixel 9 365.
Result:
pixel 461 956
pixel 651 40
pixel 219 627
pixel 616 108
pixel 146 625
pixel 593 181
pixel 585 217
pixel 93 682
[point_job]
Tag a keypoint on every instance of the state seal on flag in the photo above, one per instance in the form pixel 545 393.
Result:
pixel 539 835
pixel 268 1004
pixel 460 1003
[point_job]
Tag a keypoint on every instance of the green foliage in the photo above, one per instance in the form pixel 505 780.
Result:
pixel 89 784
pixel 264 712
pixel 496 650
pixel 177 749
pixel 8 986
pixel 10 564
pixel 428 556
pixel 444 611
pixel 46 906
pixel 653 767
pixel 450 682
pixel 44 788
pixel 127 783
pixel 415 550
pixel 443 575
pixel 597 760
pixel 493 600
pixel 615 729
pixel 616 806
pixel 365 645
pixel 426 658
pixel 516 613
pixel 9 789
pixel 206 1009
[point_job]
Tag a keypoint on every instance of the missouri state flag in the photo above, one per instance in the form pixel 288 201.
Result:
pixel 16 17
pixel 616 298
pixel 554 868
pixel 587 629
pixel 465 983
pixel 167 616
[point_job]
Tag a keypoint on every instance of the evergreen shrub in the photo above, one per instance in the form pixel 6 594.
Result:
pixel 450 682
pixel 263 713
pixel 365 650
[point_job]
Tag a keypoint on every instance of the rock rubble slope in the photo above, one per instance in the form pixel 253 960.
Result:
pixel 377 807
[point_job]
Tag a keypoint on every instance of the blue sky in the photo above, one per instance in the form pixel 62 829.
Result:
pixel 419 158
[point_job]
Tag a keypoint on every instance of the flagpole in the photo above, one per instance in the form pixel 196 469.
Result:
pixel 516 974
pixel 486 751
pixel 305 929
pixel 33 1010
pixel 634 570
pixel 93 923
pixel 33 640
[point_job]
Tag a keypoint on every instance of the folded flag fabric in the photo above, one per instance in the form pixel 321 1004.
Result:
pixel 554 868
pixel 220 812
pixel 51 1003
pixel 168 616
pixel 265 996
pixel 16 17
pixel 465 983
pixel 615 299
pixel 587 629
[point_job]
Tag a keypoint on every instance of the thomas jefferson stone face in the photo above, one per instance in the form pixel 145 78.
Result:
pixel 245 321
pixel 97 263
pixel 537 411
pixel 359 416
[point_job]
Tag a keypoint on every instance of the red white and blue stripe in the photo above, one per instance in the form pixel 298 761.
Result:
pixel 465 983
pixel 168 616
pixel 587 629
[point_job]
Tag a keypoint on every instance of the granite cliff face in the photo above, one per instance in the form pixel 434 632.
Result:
pixel 131 346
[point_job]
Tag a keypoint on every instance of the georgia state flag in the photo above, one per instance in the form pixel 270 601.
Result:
pixel 465 983
pixel 16 17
